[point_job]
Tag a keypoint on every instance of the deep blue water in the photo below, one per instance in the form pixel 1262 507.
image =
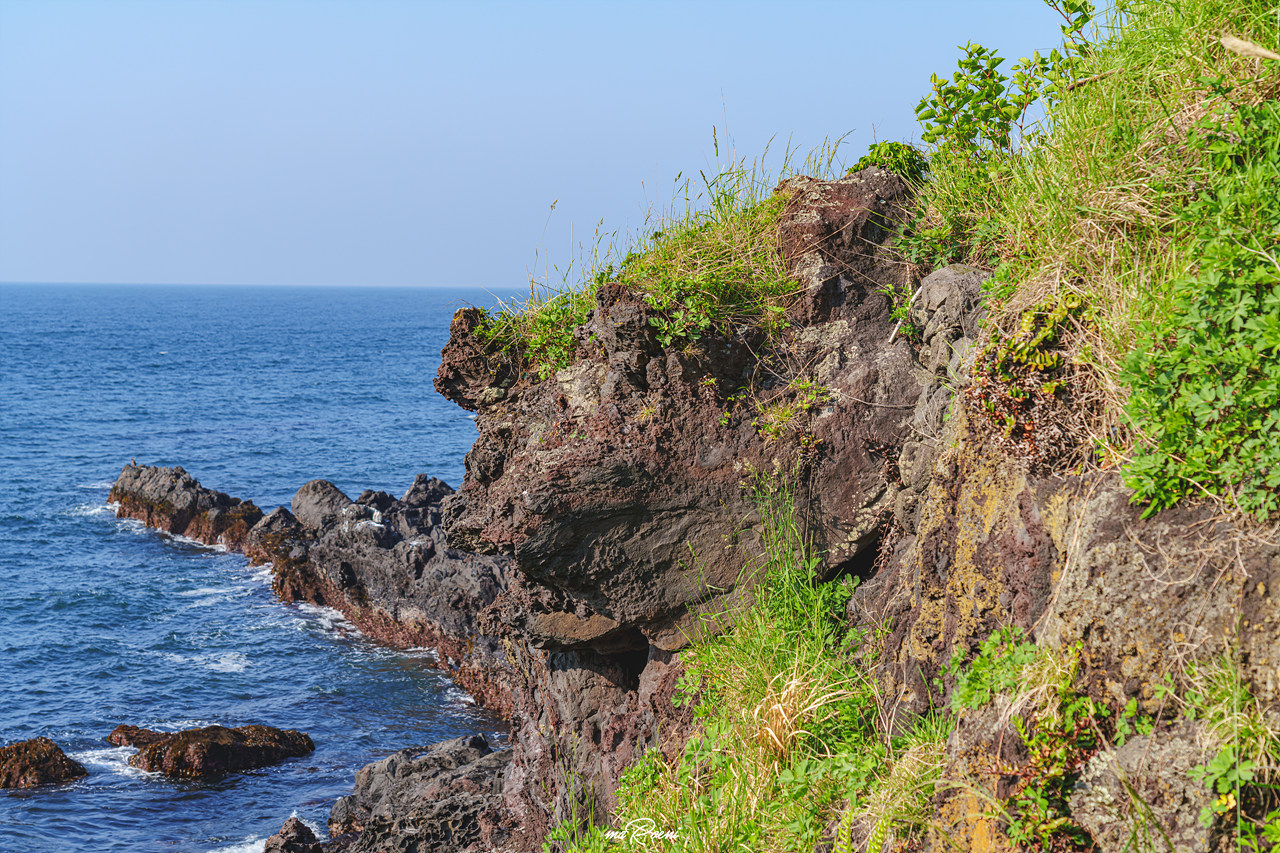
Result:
pixel 254 391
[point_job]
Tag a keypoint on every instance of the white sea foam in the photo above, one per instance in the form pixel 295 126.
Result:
pixel 103 485
pixel 252 844
pixel 424 652
pixel 91 510
pixel 229 662
pixel 206 591
pixel 109 760
pixel 331 620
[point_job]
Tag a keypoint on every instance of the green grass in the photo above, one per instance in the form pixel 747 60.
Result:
pixel 1098 205
pixel 709 263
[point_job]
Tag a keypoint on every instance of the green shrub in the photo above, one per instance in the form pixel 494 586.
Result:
pixel 1206 383
pixel 906 161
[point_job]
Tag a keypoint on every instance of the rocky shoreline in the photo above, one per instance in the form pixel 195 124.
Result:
pixel 603 513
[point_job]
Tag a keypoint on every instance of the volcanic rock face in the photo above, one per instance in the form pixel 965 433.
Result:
pixel 38 761
pixel 170 499
pixel 212 750
pixel 294 837
pixel 441 799
pixel 617 485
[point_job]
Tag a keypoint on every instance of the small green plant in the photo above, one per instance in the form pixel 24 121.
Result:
pixel 1058 744
pixel 1206 382
pixel 1018 379
pixel 800 397
pixel 904 160
pixel 1059 727
pixel 997 668
pixel 1243 771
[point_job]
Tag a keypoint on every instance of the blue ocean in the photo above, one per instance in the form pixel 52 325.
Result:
pixel 254 391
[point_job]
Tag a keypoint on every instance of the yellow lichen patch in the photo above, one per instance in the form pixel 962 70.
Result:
pixel 957 519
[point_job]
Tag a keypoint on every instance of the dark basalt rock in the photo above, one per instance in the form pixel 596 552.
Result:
pixel 170 499
pixel 215 750
pixel 38 761
pixel 440 799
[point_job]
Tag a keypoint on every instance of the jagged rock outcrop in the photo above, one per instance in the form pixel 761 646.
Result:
pixel 38 761
pixel 443 799
pixel 211 750
pixel 618 485
pixel 382 561
pixel 618 482
pixel 170 499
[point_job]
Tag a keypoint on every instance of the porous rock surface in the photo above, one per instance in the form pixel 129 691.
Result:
pixel 983 540
pixel 211 750
pixel 442 799
pixel 38 761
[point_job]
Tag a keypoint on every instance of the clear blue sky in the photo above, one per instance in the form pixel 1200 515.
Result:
pixel 389 142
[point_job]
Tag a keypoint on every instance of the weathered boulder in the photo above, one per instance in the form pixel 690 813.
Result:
pixel 319 504
pixel 38 761
pixel 216 750
pixel 442 798
pixel 170 499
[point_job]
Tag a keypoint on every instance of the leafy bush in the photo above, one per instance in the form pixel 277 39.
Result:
pixel 1206 382
pixel 906 161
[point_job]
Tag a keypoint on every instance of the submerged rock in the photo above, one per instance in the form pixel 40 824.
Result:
pixel 38 761
pixel 213 750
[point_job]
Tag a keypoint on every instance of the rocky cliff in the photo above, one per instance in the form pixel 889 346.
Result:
pixel 606 510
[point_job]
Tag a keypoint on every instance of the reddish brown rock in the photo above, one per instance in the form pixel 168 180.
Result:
pixel 125 735
pixel 38 761
pixel 215 750
pixel 171 499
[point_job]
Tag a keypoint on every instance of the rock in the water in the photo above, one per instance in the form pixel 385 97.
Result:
pixel 38 761
pixel 171 499
pixel 294 837
pixel 125 735
pixel 215 750
pixel 436 799
pixel 384 563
